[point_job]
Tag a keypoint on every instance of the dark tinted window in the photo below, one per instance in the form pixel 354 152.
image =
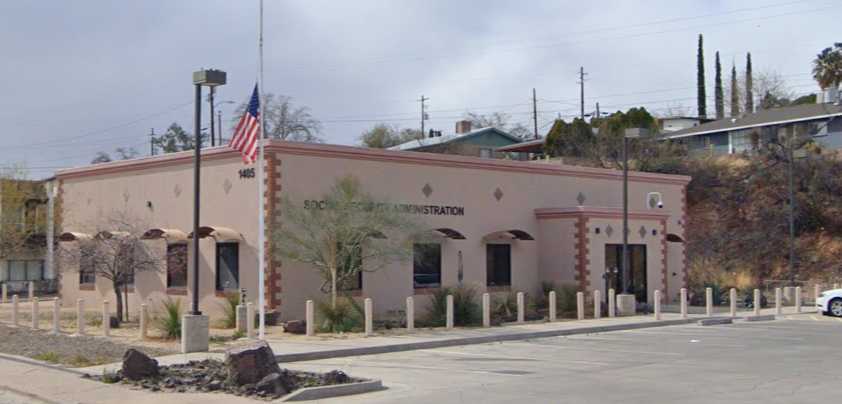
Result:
pixel 426 268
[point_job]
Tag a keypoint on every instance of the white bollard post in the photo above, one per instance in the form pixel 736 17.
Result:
pixel 56 316
pixel 410 313
pixel 683 303
pixel 5 293
pixel 448 321
pixel 798 299
pixel 31 290
pixel 309 318
pixel 486 310
pixel 106 319
pixel 80 316
pixel 552 304
pixel 250 320
pixel 709 302
pixel 612 303
pixel 521 309
pixel 35 313
pixel 144 326
pixel 816 292
pixel 757 302
pixel 15 310
pixel 369 317
pixel 657 304
pixel 732 299
pixel 778 301
pixel 580 305
pixel 836 286
pixel 597 304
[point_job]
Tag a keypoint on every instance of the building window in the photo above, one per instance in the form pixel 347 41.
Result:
pixel 177 266
pixel 353 262
pixel 426 267
pixel 498 270
pixel 227 266
pixel 87 272
pixel 485 153
pixel 28 270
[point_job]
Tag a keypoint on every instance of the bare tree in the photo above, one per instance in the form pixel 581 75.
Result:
pixel 286 121
pixel 348 232
pixel 117 253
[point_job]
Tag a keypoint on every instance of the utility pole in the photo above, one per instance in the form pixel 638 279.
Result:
pixel 535 112
pixel 597 111
pixel 582 75
pixel 152 142
pixel 423 114
pixel 212 131
pixel 791 180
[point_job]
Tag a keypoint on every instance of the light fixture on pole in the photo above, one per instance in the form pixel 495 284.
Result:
pixel 208 78
pixel 630 133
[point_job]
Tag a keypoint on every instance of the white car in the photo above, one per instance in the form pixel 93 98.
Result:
pixel 830 302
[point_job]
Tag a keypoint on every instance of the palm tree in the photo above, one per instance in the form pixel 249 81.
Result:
pixel 827 67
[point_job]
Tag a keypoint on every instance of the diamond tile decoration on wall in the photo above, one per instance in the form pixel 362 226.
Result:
pixel 427 190
pixel 498 194
pixel 227 185
pixel 176 190
pixel 581 199
pixel 609 230
pixel 642 232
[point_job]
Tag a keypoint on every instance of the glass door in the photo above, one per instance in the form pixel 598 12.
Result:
pixel 637 269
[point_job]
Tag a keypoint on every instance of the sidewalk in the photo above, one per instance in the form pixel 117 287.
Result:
pixel 314 348
pixel 30 382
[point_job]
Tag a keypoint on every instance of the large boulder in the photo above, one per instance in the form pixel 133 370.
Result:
pixel 296 327
pixel 250 363
pixel 137 365
pixel 272 385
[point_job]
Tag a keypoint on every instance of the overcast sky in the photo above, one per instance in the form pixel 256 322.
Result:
pixel 84 76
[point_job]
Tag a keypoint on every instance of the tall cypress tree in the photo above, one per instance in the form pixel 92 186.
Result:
pixel 749 92
pixel 700 80
pixel 718 93
pixel 735 93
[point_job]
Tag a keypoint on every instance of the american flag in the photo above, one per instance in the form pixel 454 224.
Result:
pixel 248 130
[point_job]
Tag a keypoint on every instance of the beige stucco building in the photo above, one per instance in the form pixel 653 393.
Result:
pixel 501 225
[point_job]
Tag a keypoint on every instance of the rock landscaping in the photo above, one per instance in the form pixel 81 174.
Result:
pixel 74 351
pixel 248 370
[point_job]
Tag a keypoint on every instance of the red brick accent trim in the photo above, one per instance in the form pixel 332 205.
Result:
pixel 665 260
pixel 583 272
pixel 271 198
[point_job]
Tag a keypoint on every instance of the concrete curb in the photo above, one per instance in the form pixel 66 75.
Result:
pixel 483 339
pixel 716 321
pixel 764 317
pixel 336 390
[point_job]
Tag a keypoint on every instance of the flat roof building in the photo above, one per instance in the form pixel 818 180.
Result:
pixel 500 225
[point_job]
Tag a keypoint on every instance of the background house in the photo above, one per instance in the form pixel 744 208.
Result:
pixel 482 142
pixel 752 131
pixel 23 235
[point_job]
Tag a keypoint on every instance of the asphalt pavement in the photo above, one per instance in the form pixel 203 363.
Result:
pixel 792 360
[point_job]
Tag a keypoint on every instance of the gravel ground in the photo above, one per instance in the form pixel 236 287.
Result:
pixel 67 350
pixel 211 376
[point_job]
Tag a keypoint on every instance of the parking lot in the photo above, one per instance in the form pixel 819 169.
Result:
pixel 792 360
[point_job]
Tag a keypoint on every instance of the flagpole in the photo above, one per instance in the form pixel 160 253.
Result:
pixel 261 235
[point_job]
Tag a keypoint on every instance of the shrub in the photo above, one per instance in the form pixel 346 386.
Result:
pixel 466 310
pixel 229 310
pixel 50 357
pixel 345 317
pixel 504 308
pixel 237 335
pixel 170 322
pixel 565 296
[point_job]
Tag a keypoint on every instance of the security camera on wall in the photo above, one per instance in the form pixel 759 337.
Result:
pixel 654 200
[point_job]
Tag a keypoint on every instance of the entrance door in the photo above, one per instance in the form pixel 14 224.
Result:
pixel 637 269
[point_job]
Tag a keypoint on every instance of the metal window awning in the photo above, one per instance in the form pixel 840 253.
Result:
pixel 513 234
pixel 448 233
pixel 74 236
pixel 219 234
pixel 172 236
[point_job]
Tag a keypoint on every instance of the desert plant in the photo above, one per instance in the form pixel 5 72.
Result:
pixel 238 334
pixel 109 377
pixel 345 316
pixel 170 322
pixel 50 357
pixel 504 308
pixel 466 310
pixel 229 310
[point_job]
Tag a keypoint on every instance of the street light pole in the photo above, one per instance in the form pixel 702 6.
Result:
pixel 630 133
pixel 212 126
